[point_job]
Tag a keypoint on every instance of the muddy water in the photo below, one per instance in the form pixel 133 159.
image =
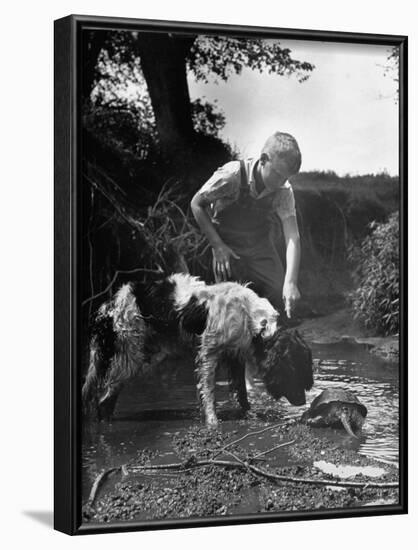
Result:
pixel 150 413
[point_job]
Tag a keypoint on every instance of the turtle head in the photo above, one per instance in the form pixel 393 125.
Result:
pixel 345 418
pixel 287 367
pixel 352 417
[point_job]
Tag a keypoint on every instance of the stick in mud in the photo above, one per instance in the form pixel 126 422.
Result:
pixel 99 481
pixel 250 434
pixel 273 449
pixel 188 465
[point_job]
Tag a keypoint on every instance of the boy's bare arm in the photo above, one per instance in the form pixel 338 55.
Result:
pixel 221 252
pixel 290 289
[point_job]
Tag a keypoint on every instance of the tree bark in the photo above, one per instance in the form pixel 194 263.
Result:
pixel 163 63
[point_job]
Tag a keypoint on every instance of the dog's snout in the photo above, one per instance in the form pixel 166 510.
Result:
pixel 297 400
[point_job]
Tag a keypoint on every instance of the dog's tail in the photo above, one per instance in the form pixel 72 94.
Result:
pixel 101 351
pixel 89 391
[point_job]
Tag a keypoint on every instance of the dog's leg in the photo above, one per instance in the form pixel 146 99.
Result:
pixel 237 381
pixel 206 371
pixel 251 371
pixel 89 389
pixel 107 403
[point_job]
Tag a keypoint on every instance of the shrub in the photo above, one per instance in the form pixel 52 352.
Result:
pixel 376 298
pixel 172 241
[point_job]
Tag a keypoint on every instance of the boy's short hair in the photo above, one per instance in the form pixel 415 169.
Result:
pixel 283 146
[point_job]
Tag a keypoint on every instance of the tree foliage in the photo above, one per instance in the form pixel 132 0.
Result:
pixel 218 56
pixel 376 299
pixel 205 56
pixel 391 68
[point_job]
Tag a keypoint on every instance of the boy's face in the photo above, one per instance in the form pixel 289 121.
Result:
pixel 275 172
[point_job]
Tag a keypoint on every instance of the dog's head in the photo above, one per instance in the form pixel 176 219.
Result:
pixel 286 367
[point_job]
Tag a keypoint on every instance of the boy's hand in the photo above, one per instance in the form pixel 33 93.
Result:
pixel 221 262
pixel 290 296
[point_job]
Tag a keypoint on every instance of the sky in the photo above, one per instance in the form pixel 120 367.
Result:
pixel 344 116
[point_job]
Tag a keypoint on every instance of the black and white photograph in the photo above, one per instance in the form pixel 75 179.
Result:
pixel 239 275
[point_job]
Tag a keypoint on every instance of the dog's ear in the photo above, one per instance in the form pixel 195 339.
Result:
pixel 154 297
pixel 306 363
pixel 260 347
pixel 288 367
pixel 309 381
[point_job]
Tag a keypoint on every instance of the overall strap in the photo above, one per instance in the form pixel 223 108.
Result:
pixel 243 173
pixel 244 191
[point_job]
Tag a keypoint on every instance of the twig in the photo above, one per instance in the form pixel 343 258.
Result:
pixel 241 462
pixel 108 178
pixel 103 224
pixel 115 276
pixel 98 482
pixel 91 276
pixel 238 459
pixel 109 286
pixel 273 449
pixel 249 434
pixel 121 209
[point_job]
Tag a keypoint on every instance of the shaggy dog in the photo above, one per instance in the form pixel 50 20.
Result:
pixel 226 323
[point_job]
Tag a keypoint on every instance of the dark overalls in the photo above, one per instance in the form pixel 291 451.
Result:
pixel 246 227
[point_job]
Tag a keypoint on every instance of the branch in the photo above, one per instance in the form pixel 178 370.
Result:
pixel 249 434
pixel 241 464
pixel 115 276
pixel 273 449
pixel 100 479
pixel 113 193
pixel 91 275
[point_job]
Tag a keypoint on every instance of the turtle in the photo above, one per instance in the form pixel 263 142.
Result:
pixel 336 408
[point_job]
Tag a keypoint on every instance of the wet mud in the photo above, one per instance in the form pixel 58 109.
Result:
pixel 192 491
pixel 340 326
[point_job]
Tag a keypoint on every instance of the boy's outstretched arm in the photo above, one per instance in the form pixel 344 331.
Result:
pixel 290 289
pixel 221 252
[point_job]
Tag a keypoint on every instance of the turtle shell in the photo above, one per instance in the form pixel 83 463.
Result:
pixel 335 395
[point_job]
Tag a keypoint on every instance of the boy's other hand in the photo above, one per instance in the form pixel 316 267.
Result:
pixel 222 262
pixel 291 295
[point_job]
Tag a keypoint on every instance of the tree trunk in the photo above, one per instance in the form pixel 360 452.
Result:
pixel 163 63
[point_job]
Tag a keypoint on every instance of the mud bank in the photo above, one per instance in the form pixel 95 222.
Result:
pixel 295 472
pixel 339 326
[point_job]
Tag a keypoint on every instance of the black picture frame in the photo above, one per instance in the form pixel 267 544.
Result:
pixel 67 497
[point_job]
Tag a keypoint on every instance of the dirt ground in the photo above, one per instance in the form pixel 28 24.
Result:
pixel 340 326
pixel 207 490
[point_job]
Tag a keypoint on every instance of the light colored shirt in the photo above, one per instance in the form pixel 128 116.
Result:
pixel 223 189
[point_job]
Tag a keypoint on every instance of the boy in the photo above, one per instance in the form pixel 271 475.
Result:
pixel 235 209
